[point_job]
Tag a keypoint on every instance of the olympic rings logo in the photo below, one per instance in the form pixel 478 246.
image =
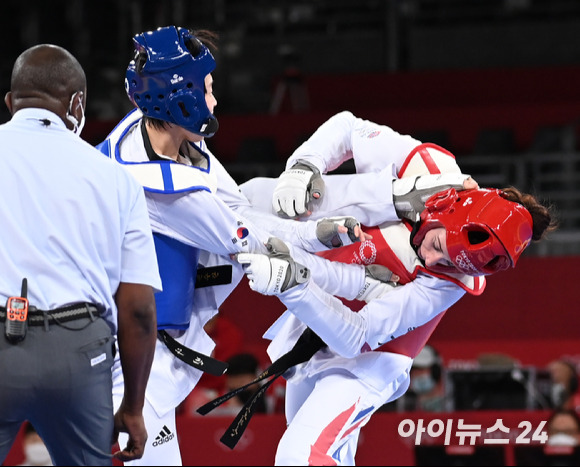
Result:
pixel 463 263
pixel 364 252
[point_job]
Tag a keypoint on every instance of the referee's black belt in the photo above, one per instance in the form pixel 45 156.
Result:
pixel 58 315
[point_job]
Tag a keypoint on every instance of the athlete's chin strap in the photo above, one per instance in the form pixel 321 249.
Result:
pixel 307 345
pixel 416 227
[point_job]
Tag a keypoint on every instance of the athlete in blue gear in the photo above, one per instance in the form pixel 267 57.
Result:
pixel 199 218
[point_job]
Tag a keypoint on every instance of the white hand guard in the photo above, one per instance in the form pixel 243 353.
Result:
pixel 275 272
pixel 377 282
pixel 327 231
pixel 296 189
pixel 410 193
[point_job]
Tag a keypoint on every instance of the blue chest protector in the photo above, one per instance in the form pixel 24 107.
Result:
pixel 178 269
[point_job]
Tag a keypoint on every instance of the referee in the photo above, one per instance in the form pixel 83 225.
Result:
pixel 78 270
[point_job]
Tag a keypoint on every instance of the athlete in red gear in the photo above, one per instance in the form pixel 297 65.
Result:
pixel 437 253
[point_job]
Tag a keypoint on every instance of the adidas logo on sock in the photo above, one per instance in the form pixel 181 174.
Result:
pixel 164 436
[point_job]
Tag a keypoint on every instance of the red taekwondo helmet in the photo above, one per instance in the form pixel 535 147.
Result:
pixel 486 233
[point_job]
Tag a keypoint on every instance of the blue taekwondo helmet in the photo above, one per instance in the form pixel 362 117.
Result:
pixel 166 79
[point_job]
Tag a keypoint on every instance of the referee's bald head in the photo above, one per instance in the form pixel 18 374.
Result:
pixel 45 76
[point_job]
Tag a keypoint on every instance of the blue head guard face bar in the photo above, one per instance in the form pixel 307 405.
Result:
pixel 170 84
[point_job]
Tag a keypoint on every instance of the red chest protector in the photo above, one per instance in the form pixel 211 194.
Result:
pixel 391 247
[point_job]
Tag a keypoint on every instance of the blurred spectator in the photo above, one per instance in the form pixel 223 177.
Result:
pixel 497 360
pixel 291 84
pixel 427 391
pixel 564 428
pixel 35 451
pixel 243 369
pixel 564 388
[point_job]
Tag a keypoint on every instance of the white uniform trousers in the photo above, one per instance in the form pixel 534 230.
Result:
pixel 325 413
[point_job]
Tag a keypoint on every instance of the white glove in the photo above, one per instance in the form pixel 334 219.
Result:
pixel 378 281
pixel 296 189
pixel 410 193
pixel 275 272
pixel 328 234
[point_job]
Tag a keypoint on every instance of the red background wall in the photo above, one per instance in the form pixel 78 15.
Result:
pixel 460 102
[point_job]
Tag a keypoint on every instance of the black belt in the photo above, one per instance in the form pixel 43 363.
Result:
pixel 191 357
pixel 58 315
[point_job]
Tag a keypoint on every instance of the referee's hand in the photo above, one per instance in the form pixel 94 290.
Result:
pixel 134 426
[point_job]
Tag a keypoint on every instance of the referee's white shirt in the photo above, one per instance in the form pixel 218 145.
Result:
pixel 72 221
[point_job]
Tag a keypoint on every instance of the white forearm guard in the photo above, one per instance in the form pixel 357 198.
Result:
pixel 410 193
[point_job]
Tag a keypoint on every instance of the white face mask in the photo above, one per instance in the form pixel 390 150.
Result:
pixel 422 384
pixel 562 439
pixel 37 454
pixel 77 126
